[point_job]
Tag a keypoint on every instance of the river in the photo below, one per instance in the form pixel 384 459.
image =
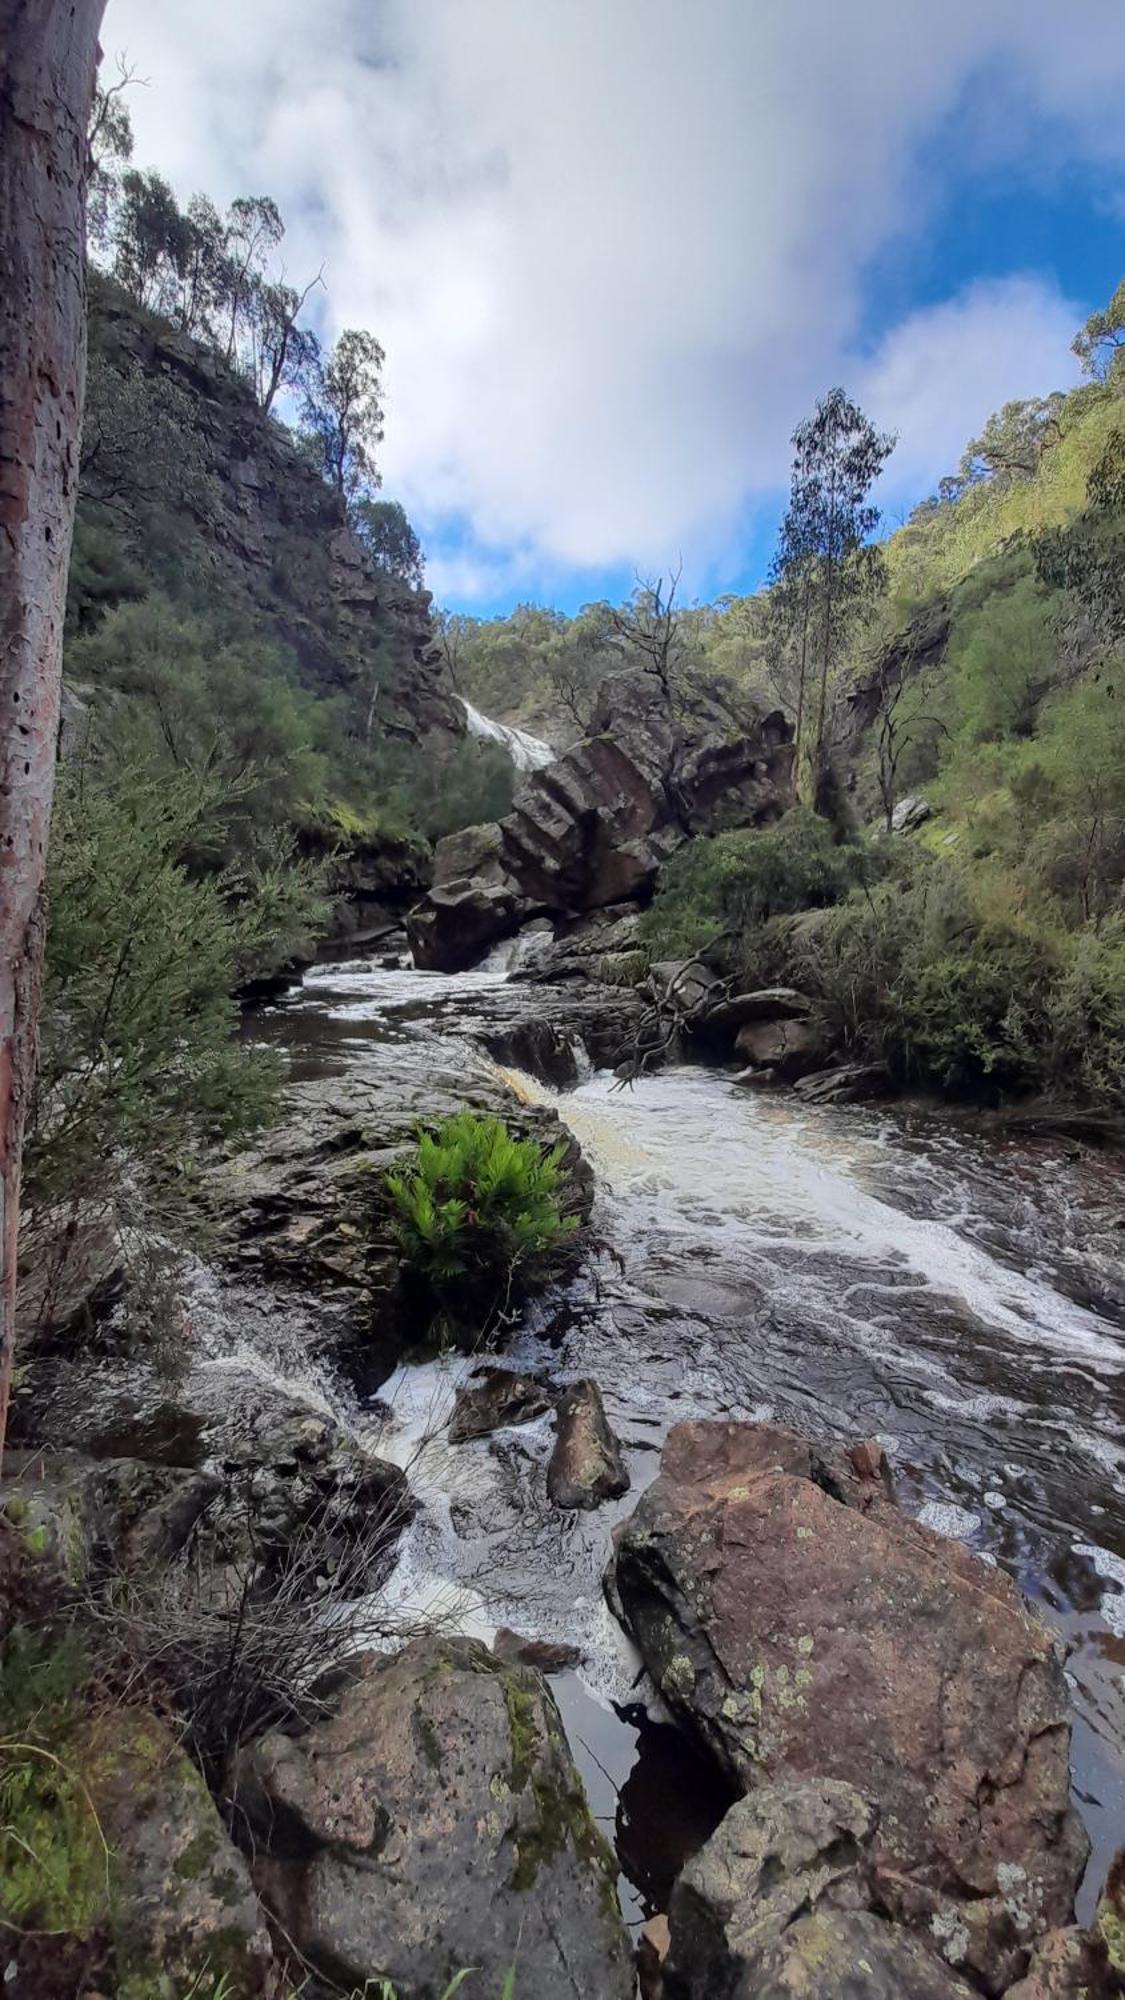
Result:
pixel 854 1272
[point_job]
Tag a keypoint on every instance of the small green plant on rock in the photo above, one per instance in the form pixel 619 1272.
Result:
pixel 476 1211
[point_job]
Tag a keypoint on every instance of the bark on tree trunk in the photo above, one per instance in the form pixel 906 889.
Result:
pixel 48 59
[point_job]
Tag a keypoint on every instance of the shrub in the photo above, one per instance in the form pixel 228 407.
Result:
pixel 733 882
pixel 478 1212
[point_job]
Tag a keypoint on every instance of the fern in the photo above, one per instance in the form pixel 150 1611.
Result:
pixel 477 1204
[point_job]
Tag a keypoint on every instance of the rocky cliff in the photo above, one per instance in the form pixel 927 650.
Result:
pixel 247 517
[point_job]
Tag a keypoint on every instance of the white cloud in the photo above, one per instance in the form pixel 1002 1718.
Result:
pixel 940 374
pixel 615 248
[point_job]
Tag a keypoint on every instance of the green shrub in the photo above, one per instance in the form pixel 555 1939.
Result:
pixel 478 1212
pixel 733 882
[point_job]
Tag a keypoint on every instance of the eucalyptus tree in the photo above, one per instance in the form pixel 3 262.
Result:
pixel 826 570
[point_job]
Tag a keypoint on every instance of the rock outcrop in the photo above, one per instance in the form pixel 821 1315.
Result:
pixel 306 1201
pixel 803 1628
pixel 593 828
pixel 438 1823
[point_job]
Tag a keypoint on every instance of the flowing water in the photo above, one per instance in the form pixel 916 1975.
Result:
pixel 852 1272
pixel 527 752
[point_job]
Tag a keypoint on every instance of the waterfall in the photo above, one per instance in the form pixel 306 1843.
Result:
pixel 527 752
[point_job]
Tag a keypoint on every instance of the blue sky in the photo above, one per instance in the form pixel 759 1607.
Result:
pixel 615 248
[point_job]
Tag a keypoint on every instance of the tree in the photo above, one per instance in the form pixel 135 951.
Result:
pixel 390 540
pixel 1102 336
pixel 111 144
pixel 253 228
pixel 825 566
pixel 152 241
pixel 48 62
pixel 650 626
pixel 343 413
pixel 282 353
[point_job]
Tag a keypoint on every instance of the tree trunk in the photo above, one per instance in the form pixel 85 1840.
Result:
pixel 48 59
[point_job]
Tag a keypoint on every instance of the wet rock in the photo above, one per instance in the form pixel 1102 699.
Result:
pixel 71 1273
pixel 586 1464
pixel 852 1083
pixel 493 1399
pixel 547 1656
pixel 1065 1965
pixel 775 1895
pixel 307 1201
pixel 593 828
pixel 802 1627
pixel 785 1047
pixel 184 1906
pixel 441 1824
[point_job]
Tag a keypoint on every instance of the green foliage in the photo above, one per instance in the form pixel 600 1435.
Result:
pixel 54 1869
pixel 1004 657
pixel 734 882
pixel 186 693
pixel 141 1060
pixel 478 1209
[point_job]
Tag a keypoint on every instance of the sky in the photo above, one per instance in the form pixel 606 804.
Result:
pixel 616 249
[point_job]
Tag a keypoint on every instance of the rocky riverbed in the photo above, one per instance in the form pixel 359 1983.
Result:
pixel 759 1267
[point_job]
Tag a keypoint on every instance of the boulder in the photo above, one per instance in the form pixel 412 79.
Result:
pixel 779 1901
pixel 767 1003
pixel 593 828
pixel 785 1046
pixel 439 1823
pixel 910 813
pixel 682 983
pixel 183 1904
pixel 306 1201
pixel 547 1656
pixel 802 1627
pixel 586 1464
pixel 493 1399
pixel 850 1083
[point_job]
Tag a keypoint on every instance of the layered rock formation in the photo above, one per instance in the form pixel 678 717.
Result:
pixel 593 828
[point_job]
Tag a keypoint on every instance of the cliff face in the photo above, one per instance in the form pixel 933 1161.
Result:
pixel 263 525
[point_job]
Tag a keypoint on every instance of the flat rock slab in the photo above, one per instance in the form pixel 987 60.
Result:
pixel 441 1823
pixel 803 1628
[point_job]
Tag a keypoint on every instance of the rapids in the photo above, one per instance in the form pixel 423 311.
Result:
pixel 851 1271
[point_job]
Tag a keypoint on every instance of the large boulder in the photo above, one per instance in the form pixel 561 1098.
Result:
pixel 593 828
pixel 802 1627
pixel 439 1823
